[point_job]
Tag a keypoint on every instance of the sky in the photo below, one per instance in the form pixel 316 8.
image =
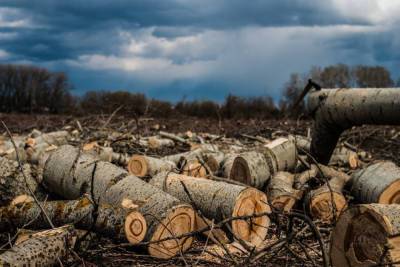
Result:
pixel 197 49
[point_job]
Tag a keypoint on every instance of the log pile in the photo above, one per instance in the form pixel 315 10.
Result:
pixel 241 200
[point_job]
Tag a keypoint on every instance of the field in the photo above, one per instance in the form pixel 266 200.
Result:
pixel 381 143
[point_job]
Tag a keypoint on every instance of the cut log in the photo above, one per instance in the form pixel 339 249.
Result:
pixel 255 168
pixel 336 110
pixel 69 173
pixel 301 179
pixel 377 183
pixel 57 138
pixel 327 202
pixel 194 168
pixel 157 143
pixel 174 137
pixel 226 165
pixel 123 223
pixel 367 235
pixel 142 166
pixel 44 248
pixel 220 201
pixel 12 181
pixel 214 160
pixel 281 193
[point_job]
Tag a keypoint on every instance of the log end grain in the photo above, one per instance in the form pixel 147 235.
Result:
pixel 366 235
pixel 327 205
pixel 240 171
pixel 253 230
pixel 391 195
pixel 179 221
pixel 135 227
pixel 137 165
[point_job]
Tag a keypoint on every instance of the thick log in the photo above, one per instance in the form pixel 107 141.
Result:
pixel 12 181
pixel 44 248
pixel 69 173
pixel 377 183
pixel 281 193
pixel 142 166
pixel 367 235
pixel 220 201
pixel 255 168
pixel 327 202
pixel 123 223
pixel 336 110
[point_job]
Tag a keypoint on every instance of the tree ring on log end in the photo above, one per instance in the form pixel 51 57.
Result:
pixel 137 165
pixel 254 230
pixel 321 205
pixel 391 195
pixel 240 171
pixel 179 221
pixel 135 227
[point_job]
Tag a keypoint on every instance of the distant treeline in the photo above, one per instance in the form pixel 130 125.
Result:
pixel 30 89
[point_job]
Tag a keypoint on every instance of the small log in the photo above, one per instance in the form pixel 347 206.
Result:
pixel 220 201
pixel 367 235
pixel 327 202
pixel 214 160
pixel 256 167
pixel 281 193
pixel 44 248
pixel 301 179
pixel 377 183
pixel 105 153
pixel 12 181
pixel 57 138
pixel 69 173
pixel 123 223
pixel 173 137
pixel 157 143
pixel 142 166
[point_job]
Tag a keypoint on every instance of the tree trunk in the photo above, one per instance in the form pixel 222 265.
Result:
pixel 377 183
pixel 69 173
pixel 142 166
pixel 336 110
pixel 220 201
pixel 44 248
pixel 327 202
pixel 281 193
pixel 12 181
pixel 123 223
pixel 256 168
pixel 341 156
pixel 367 235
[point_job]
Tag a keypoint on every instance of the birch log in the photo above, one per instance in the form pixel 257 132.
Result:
pixel 327 202
pixel 367 235
pixel 123 223
pixel 218 200
pixel 256 167
pixel 281 193
pixel 377 183
pixel 41 249
pixel 69 173
pixel 12 181
pixel 336 110
pixel 142 166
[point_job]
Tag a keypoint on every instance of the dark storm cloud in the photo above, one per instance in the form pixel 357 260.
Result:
pixel 241 46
